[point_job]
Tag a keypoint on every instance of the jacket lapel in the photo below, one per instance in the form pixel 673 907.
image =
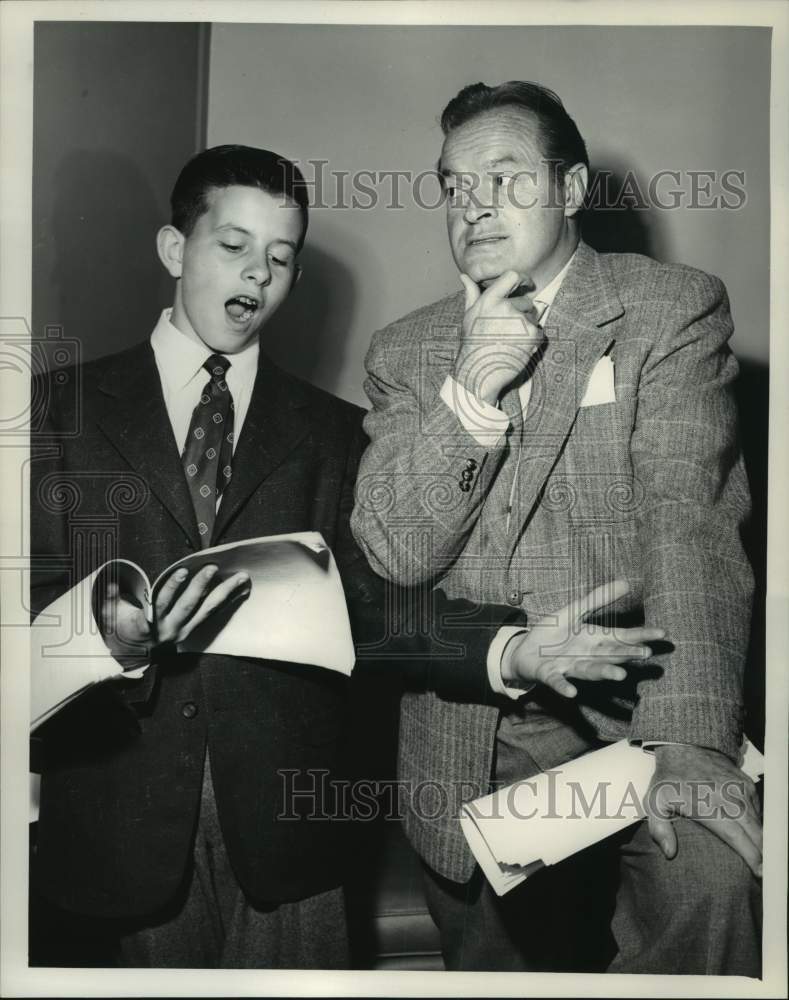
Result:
pixel 577 336
pixel 136 422
pixel 276 421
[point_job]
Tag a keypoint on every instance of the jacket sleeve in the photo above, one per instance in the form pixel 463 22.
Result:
pixel 52 495
pixel 433 642
pixel 698 583
pixel 423 480
pixel 61 557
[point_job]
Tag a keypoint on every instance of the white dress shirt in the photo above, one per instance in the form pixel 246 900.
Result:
pixel 180 359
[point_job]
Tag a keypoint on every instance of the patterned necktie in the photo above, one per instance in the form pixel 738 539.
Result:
pixel 511 401
pixel 512 405
pixel 208 451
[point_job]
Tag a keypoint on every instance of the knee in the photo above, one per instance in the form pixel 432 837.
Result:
pixel 698 913
pixel 720 876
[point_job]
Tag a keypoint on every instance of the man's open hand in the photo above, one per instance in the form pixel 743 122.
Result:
pixel 705 786
pixel 563 645
pixel 179 608
pixel 499 336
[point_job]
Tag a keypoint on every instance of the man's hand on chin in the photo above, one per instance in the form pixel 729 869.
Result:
pixel 705 786
pixel 499 334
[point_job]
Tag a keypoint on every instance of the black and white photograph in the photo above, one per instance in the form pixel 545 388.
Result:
pixel 394 566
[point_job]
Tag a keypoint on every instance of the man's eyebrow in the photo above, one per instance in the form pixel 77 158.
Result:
pixel 497 162
pixel 501 159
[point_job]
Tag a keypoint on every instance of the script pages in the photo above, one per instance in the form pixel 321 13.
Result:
pixel 295 612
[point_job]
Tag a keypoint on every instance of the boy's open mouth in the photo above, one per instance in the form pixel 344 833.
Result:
pixel 242 307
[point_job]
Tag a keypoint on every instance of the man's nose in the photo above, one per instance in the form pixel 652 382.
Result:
pixel 258 270
pixel 478 208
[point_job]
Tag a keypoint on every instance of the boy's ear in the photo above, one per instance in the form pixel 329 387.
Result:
pixel 297 273
pixel 170 245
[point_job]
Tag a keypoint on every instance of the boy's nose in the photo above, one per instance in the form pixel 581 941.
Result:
pixel 258 271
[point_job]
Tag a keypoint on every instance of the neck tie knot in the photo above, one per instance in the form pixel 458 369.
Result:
pixel 540 309
pixel 216 366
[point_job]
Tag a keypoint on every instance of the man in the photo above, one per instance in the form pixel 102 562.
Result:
pixel 570 421
pixel 162 798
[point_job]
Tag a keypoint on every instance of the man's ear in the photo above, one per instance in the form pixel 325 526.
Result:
pixel 297 273
pixel 170 245
pixel 576 181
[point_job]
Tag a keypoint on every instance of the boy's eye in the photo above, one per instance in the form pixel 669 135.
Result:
pixel 232 247
pixel 279 261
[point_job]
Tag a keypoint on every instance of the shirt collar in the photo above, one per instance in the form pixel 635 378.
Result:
pixel 180 358
pixel 548 294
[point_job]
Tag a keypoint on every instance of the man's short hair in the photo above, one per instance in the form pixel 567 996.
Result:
pixel 562 142
pixel 226 166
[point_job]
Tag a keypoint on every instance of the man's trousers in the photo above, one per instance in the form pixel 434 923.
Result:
pixel 618 906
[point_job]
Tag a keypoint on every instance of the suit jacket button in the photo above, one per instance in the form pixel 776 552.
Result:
pixel 471 465
pixel 514 597
pixel 189 710
pixel 464 485
pixel 467 475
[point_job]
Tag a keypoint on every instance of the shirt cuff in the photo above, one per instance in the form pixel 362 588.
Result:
pixel 484 422
pixel 495 653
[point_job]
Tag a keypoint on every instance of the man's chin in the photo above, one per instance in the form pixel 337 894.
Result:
pixel 481 276
pixel 525 287
pixel 489 279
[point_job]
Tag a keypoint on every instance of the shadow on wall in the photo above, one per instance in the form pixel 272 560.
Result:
pixel 614 223
pixel 753 403
pixel 104 224
pixel 309 334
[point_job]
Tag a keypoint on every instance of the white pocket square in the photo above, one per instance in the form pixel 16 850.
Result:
pixel 600 388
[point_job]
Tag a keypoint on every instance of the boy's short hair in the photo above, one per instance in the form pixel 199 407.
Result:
pixel 226 166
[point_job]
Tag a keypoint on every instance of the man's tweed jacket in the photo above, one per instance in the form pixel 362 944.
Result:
pixel 650 488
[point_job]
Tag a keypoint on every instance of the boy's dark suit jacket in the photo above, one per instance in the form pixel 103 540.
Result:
pixel 122 766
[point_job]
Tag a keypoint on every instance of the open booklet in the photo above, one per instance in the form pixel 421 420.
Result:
pixel 542 820
pixel 295 611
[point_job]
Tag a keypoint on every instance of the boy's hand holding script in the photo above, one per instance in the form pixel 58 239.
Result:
pixel 181 604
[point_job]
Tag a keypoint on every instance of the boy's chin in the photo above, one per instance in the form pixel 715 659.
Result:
pixel 230 341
